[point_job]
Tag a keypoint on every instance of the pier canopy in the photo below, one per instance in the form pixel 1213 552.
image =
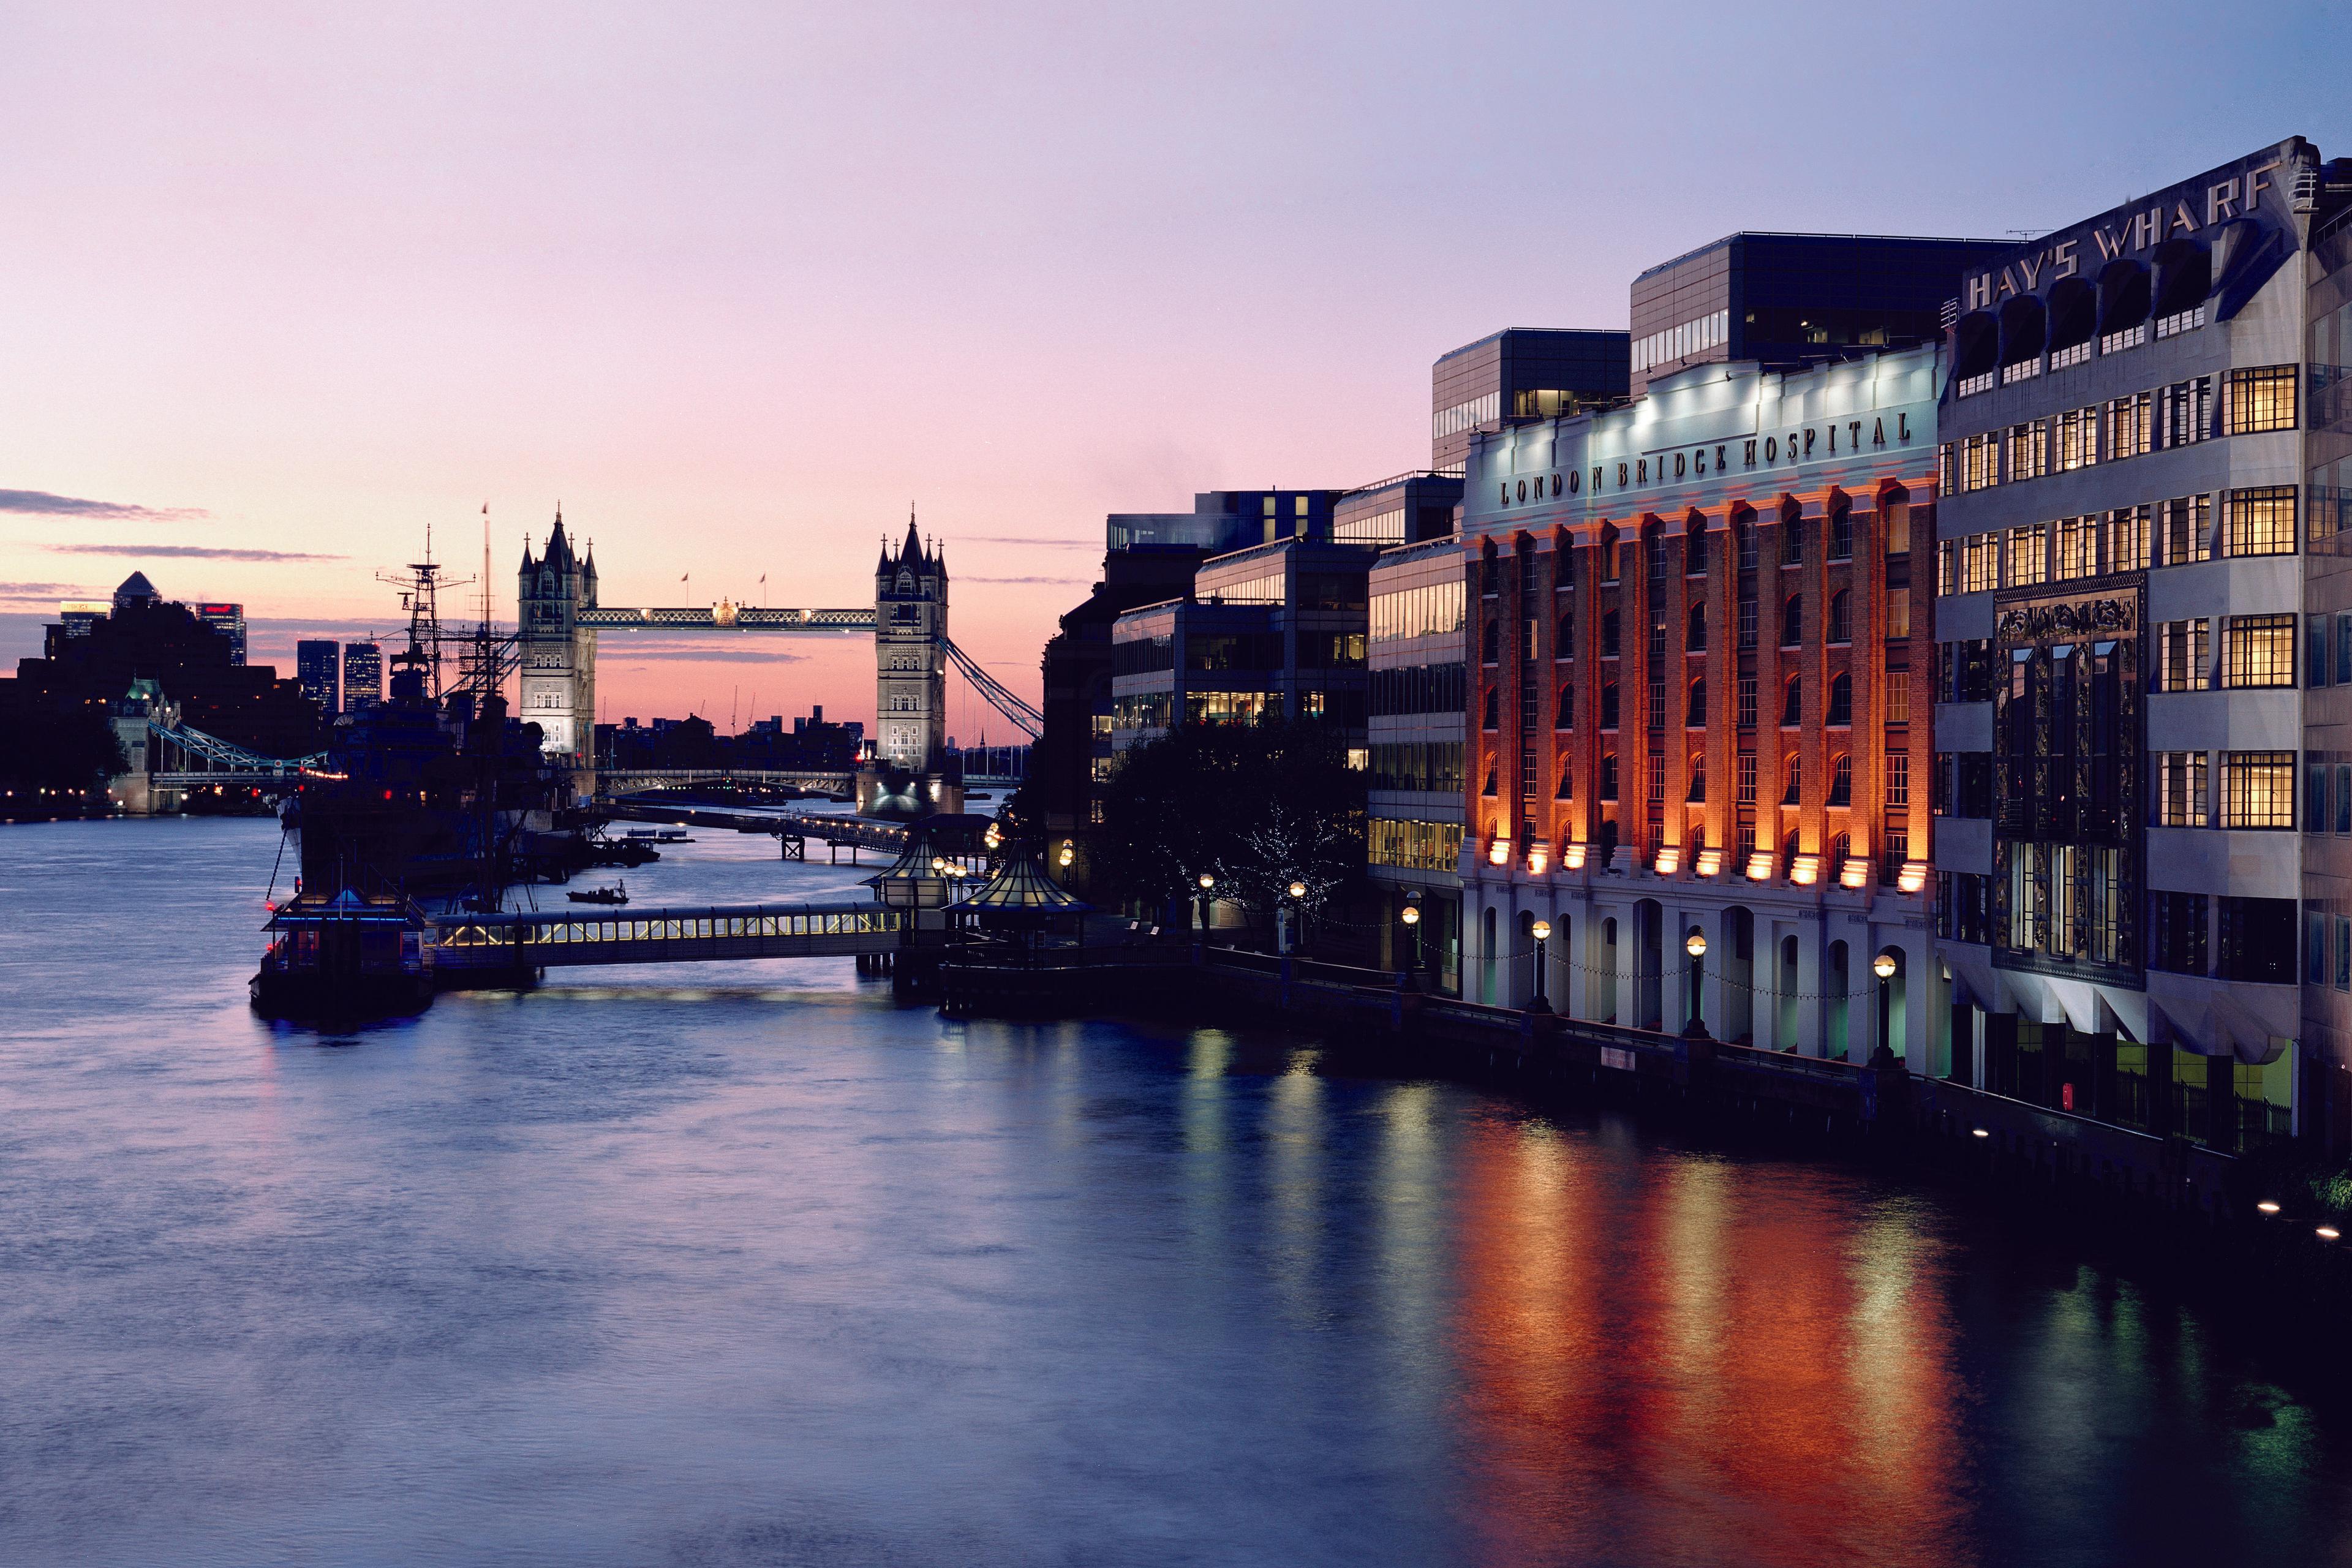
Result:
pixel 1022 887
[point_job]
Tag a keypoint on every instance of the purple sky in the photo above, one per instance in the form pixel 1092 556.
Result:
pixel 738 287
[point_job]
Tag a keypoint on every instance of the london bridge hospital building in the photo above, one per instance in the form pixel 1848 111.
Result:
pixel 1989 700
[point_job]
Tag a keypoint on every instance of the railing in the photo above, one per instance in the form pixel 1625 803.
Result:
pixel 744 617
pixel 469 935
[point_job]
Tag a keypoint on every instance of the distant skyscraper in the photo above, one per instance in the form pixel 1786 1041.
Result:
pixel 78 615
pixel 314 667
pixel 363 676
pixel 229 621
pixel 135 590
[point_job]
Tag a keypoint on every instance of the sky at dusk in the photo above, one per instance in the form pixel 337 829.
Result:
pixel 281 286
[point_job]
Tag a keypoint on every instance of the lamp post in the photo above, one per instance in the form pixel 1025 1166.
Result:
pixel 1542 933
pixel 1208 885
pixel 1288 919
pixel 1696 945
pixel 1884 966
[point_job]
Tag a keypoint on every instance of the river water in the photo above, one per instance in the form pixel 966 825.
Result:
pixel 745 1264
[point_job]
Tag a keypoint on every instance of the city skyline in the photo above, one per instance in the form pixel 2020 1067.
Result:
pixel 431 268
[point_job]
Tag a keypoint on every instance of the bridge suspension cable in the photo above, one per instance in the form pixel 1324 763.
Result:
pixel 1025 717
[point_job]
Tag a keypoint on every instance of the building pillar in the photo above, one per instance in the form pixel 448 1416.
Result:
pixel 1812 1036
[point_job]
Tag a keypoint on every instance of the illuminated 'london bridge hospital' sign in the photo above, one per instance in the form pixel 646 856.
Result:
pixel 1702 433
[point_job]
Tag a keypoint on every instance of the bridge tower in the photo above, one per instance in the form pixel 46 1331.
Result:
pixel 556 655
pixel 910 681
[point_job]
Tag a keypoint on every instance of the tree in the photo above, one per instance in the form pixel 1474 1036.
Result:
pixel 1256 806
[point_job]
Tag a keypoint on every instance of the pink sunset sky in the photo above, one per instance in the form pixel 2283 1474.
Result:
pixel 284 285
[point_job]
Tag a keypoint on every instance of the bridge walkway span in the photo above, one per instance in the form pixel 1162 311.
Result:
pixel 485 944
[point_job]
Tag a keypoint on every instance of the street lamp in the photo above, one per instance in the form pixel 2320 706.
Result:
pixel 1297 889
pixel 1696 945
pixel 1069 853
pixel 1541 930
pixel 1883 966
pixel 1208 884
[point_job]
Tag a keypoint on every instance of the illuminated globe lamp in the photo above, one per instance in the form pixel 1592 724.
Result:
pixel 1297 889
pixel 1883 966
pixel 1696 943
pixel 1207 883
pixel 1410 914
pixel 994 837
pixel 1069 853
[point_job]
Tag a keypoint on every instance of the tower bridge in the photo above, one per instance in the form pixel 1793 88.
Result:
pixel 560 620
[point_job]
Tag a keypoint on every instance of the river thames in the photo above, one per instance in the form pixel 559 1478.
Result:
pixel 746 1264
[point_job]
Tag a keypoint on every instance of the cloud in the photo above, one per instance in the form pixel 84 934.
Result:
pixel 41 503
pixel 1017 538
pixel 968 578
pixel 190 553
pixel 41 590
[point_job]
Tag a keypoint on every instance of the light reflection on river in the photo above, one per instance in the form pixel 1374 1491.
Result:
pixel 743 1264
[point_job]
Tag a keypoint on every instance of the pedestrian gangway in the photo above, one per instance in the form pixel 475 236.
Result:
pixel 500 944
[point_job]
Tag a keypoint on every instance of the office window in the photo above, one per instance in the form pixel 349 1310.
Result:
pixel 2176 933
pixel 2130 426
pixel 1695 715
pixel 1842 781
pixel 2184 531
pixel 1748 622
pixel 1792 620
pixel 1565 717
pixel 1972 784
pixel 1898 613
pixel 2315 794
pixel 1696 794
pixel 1657 778
pixel 1792 701
pixel 1898 778
pixel 1841 616
pixel 1746 778
pixel 2256 941
pixel 1747 718
pixel 2184 411
pixel 2315 659
pixel 1792 542
pixel 2258 790
pixel 1840 700
pixel 2179 781
pixel 1609 709
pixel 2029 449
pixel 2029 559
pixel 1981 461
pixel 2126 545
pixel 1609 633
pixel 2074 440
pixel 2258 650
pixel 2262 398
pixel 2181 661
pixel 2260 522
pixel 1979 562
pixel 2078 547
pixel 1745 532
pixel 1796 781
pixel 1695 630
pixel 1842 534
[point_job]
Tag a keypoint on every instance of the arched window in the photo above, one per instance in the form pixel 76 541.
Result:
pixel 1609 705
pixel 2124 296
pixel 1609 553
pixel 1695 641
pixel 1698 795
pixel 1840 848
pixel 1566 717
pixel 1796 787
pixel 1696 719
pixel 1842 534
pixel 1695 546
pixel 1842 781
pixel 1609 633
pixel 1490 645
pixel 1842 616
pixel 1792 538
pixel 1494 720
pixel 1608 775
pixel 1566 790
pixel 1792 620
pixel 1789 852
pixel 1792 701
pixel 1841 700
pixel 2025 329
pixel 1566 646
pixel 1488 787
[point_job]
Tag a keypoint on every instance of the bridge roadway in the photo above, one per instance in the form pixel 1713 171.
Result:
pixel 501 943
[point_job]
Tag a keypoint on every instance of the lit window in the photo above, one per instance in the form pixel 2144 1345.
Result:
pixel 2260 522
pixel 2259 650
pixel 2258 790
pixel 2262 398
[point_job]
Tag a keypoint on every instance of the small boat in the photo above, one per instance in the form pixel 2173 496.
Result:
pixel 619 895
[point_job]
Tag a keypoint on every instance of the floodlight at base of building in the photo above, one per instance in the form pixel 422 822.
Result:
pixel 1710 862
pixel 1669 861
pixel 1759 866
pixel 1804 869
pixel 1572 857
pixel 1913 877
pixel 1854 873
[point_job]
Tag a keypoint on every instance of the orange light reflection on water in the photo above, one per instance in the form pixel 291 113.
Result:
pixel 1745 1363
